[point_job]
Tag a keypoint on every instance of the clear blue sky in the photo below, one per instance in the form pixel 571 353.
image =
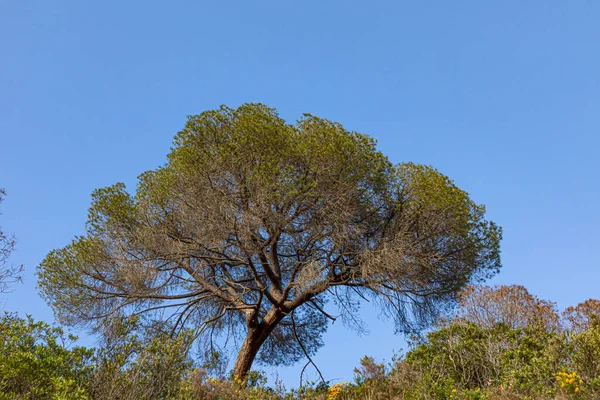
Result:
pixel 502 96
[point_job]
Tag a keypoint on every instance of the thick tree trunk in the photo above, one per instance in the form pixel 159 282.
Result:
pixel 254 339
pixel 246 355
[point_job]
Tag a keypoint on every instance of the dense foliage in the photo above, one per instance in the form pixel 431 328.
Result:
pixel 460 359
pixel 36 362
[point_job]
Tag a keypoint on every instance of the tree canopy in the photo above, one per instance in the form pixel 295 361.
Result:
pixel 511 305
pixel 261 230
pixel 578 318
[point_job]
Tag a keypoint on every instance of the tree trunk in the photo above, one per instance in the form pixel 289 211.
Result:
pixel 254 339
pixel 246 355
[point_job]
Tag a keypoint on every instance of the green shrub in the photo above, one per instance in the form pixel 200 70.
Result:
pixel 37 361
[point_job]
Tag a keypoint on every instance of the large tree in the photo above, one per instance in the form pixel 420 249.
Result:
pixel 256 229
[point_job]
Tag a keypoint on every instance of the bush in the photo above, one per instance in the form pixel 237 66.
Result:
pixel 140 363
pixel 38 362
pixel 586 353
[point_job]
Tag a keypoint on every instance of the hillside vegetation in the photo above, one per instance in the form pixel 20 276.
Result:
pixel 500 343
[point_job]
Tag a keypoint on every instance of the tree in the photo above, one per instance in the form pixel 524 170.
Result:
pixel 511 305
pixel 578 318
pixel 253 225
pixel 8 273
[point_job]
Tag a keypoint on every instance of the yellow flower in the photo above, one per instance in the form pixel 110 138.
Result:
pixel 576 389
pixel 335 390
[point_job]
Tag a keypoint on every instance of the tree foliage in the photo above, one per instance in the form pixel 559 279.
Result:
pixel 511 305
pixel 255 229
pixel 580 317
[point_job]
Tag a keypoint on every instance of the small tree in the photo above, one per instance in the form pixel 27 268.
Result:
pixel 253 225
pixel 8 273
pixel 578 318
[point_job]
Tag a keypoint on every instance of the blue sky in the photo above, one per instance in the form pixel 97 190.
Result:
pixel 504 97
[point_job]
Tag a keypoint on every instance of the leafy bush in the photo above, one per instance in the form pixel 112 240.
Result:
pixel 38 362
pixel 586 354
pixel 136 362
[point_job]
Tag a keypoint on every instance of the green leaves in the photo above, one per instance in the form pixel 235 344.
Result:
pixel 140 362
pixel 38 361
pixel 112 207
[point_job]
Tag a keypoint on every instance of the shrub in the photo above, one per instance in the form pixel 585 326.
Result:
pixel 38 361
